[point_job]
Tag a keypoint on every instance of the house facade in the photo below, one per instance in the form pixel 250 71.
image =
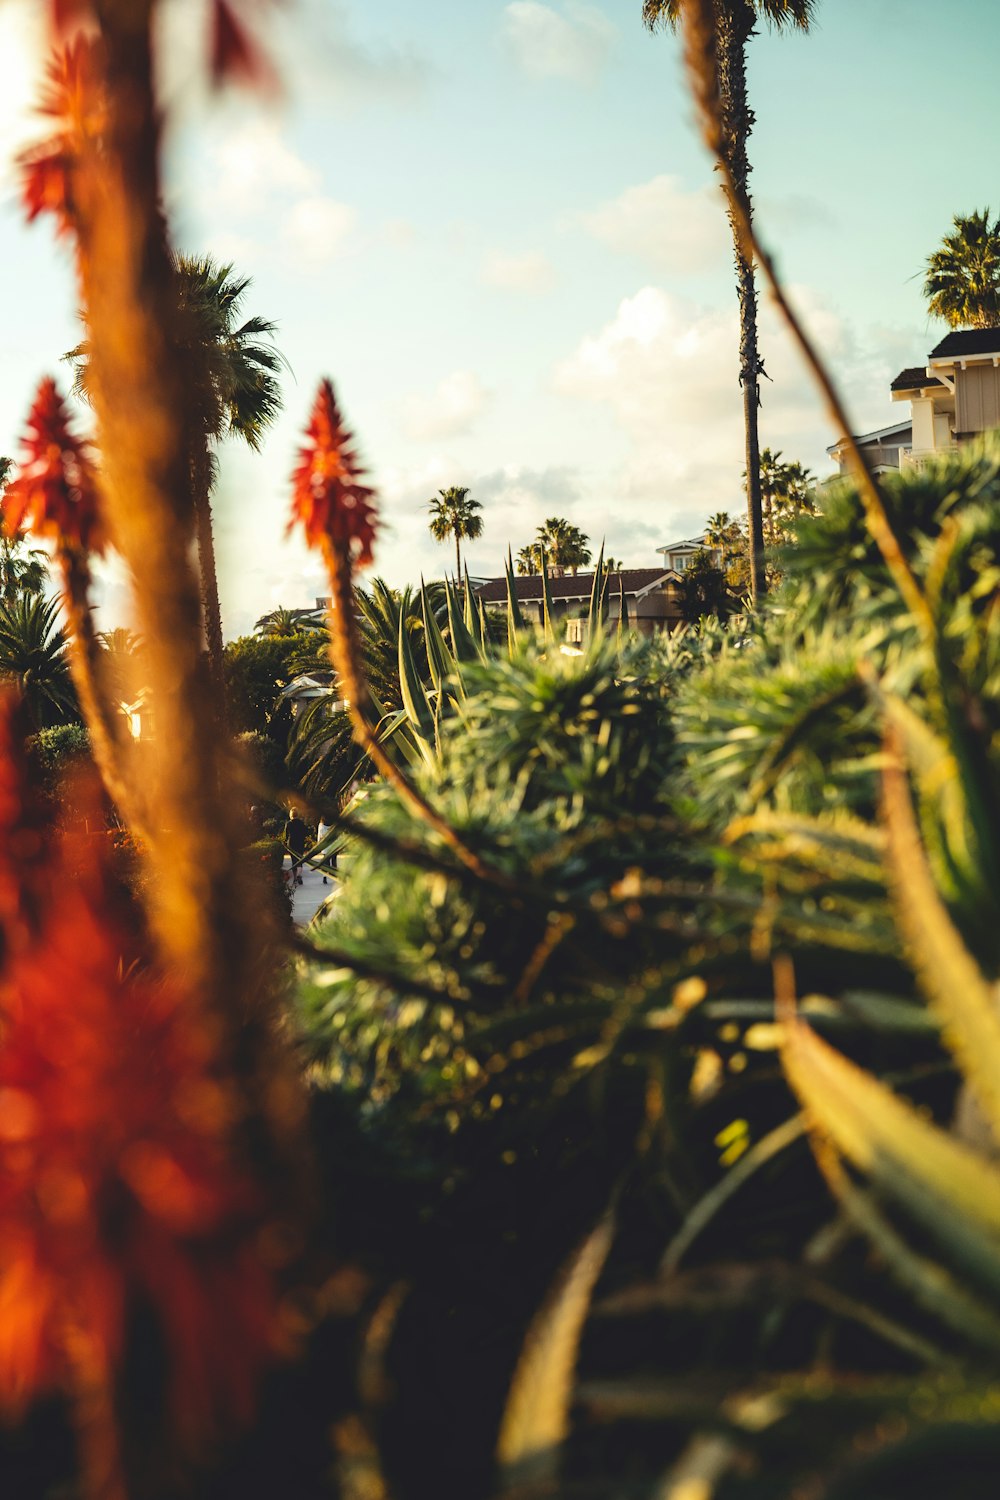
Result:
pixel 652 598
pixel 952 398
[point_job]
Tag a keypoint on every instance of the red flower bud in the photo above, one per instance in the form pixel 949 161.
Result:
pixel 328 496
pixel 55 493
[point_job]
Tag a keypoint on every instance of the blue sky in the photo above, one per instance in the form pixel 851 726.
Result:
pixel 493 226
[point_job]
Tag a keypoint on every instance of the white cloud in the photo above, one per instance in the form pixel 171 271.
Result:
pixel 518 273
pixel 665 225
pixel 447 411
pixel 319 52
pixel 316 229
pixel 249 165
pixel 572 42
pixel 23 48
pixel 667 370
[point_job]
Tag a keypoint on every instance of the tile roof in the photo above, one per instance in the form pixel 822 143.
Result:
pixel 529 586
pixel 914 379
pixel 966 341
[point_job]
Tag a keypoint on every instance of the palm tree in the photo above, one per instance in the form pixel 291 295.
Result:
pixel 529 559
pixel 734 26
pixel 231 378
pixel 120 663
pixel 455 513
pixel 287 622
pixel 613 564
pixel 772 485
pixel 564 545
pixel 719 528
pixel 962 284
pixel 33 654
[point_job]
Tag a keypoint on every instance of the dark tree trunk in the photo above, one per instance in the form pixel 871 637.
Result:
pixel 458 559
pixel 211 609
pixel 734 24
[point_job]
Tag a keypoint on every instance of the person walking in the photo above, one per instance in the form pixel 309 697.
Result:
pixel 295 842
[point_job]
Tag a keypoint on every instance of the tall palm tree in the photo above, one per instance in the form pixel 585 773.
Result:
pixel 962 284
pixel 455 513
pixel 33 655
pixel 232 370
pixel 735 21
pixel 529 559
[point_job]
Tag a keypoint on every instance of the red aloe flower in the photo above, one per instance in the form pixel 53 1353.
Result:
pixel 46 187
pixel 235 54
pixel 55 492
pixel 118 1183
pixel 75 100
pixel 328 495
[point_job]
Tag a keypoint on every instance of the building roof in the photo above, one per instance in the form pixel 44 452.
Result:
pixel 878 436
pixel 529 586
pixel 914 379
pixel 966 341
pixel 694 543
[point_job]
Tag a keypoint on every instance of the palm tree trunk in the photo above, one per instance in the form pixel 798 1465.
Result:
pixel 458 559
pixel 734 24
pixel 201 489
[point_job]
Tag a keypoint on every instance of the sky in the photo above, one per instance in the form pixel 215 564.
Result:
pixel 493 226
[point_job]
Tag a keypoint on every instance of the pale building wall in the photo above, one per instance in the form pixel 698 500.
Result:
pixel 977 398
pixel 922 409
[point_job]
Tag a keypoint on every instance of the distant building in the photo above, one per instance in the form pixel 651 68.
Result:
pixel 652 598
pixel 954 397
pixel 677 556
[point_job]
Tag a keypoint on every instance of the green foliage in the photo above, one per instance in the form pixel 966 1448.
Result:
pixel 666 819
pixel 962 282
pixel 257 669
pixel 33 656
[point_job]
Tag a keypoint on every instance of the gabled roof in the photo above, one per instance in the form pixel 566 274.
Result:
pixel 967 341
pixel 878 436
pixel 914 379
pixel 692 543
pixel 635 581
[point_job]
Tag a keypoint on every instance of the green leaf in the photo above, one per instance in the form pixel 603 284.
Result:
pixel 414 694
pixel 962 996
pixel 536 1416
pixel 463 642
pixel 594 614
pixel 952 1191
pixel 439 658
pixel 515 619
pixel 548 618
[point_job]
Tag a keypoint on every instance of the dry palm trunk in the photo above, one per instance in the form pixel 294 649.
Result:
pixel 734 27
pixel 201 471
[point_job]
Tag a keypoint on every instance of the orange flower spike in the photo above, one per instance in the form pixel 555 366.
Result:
pixel 74 100
pixel 117 1182
pixel 329 497
pixel 55 492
